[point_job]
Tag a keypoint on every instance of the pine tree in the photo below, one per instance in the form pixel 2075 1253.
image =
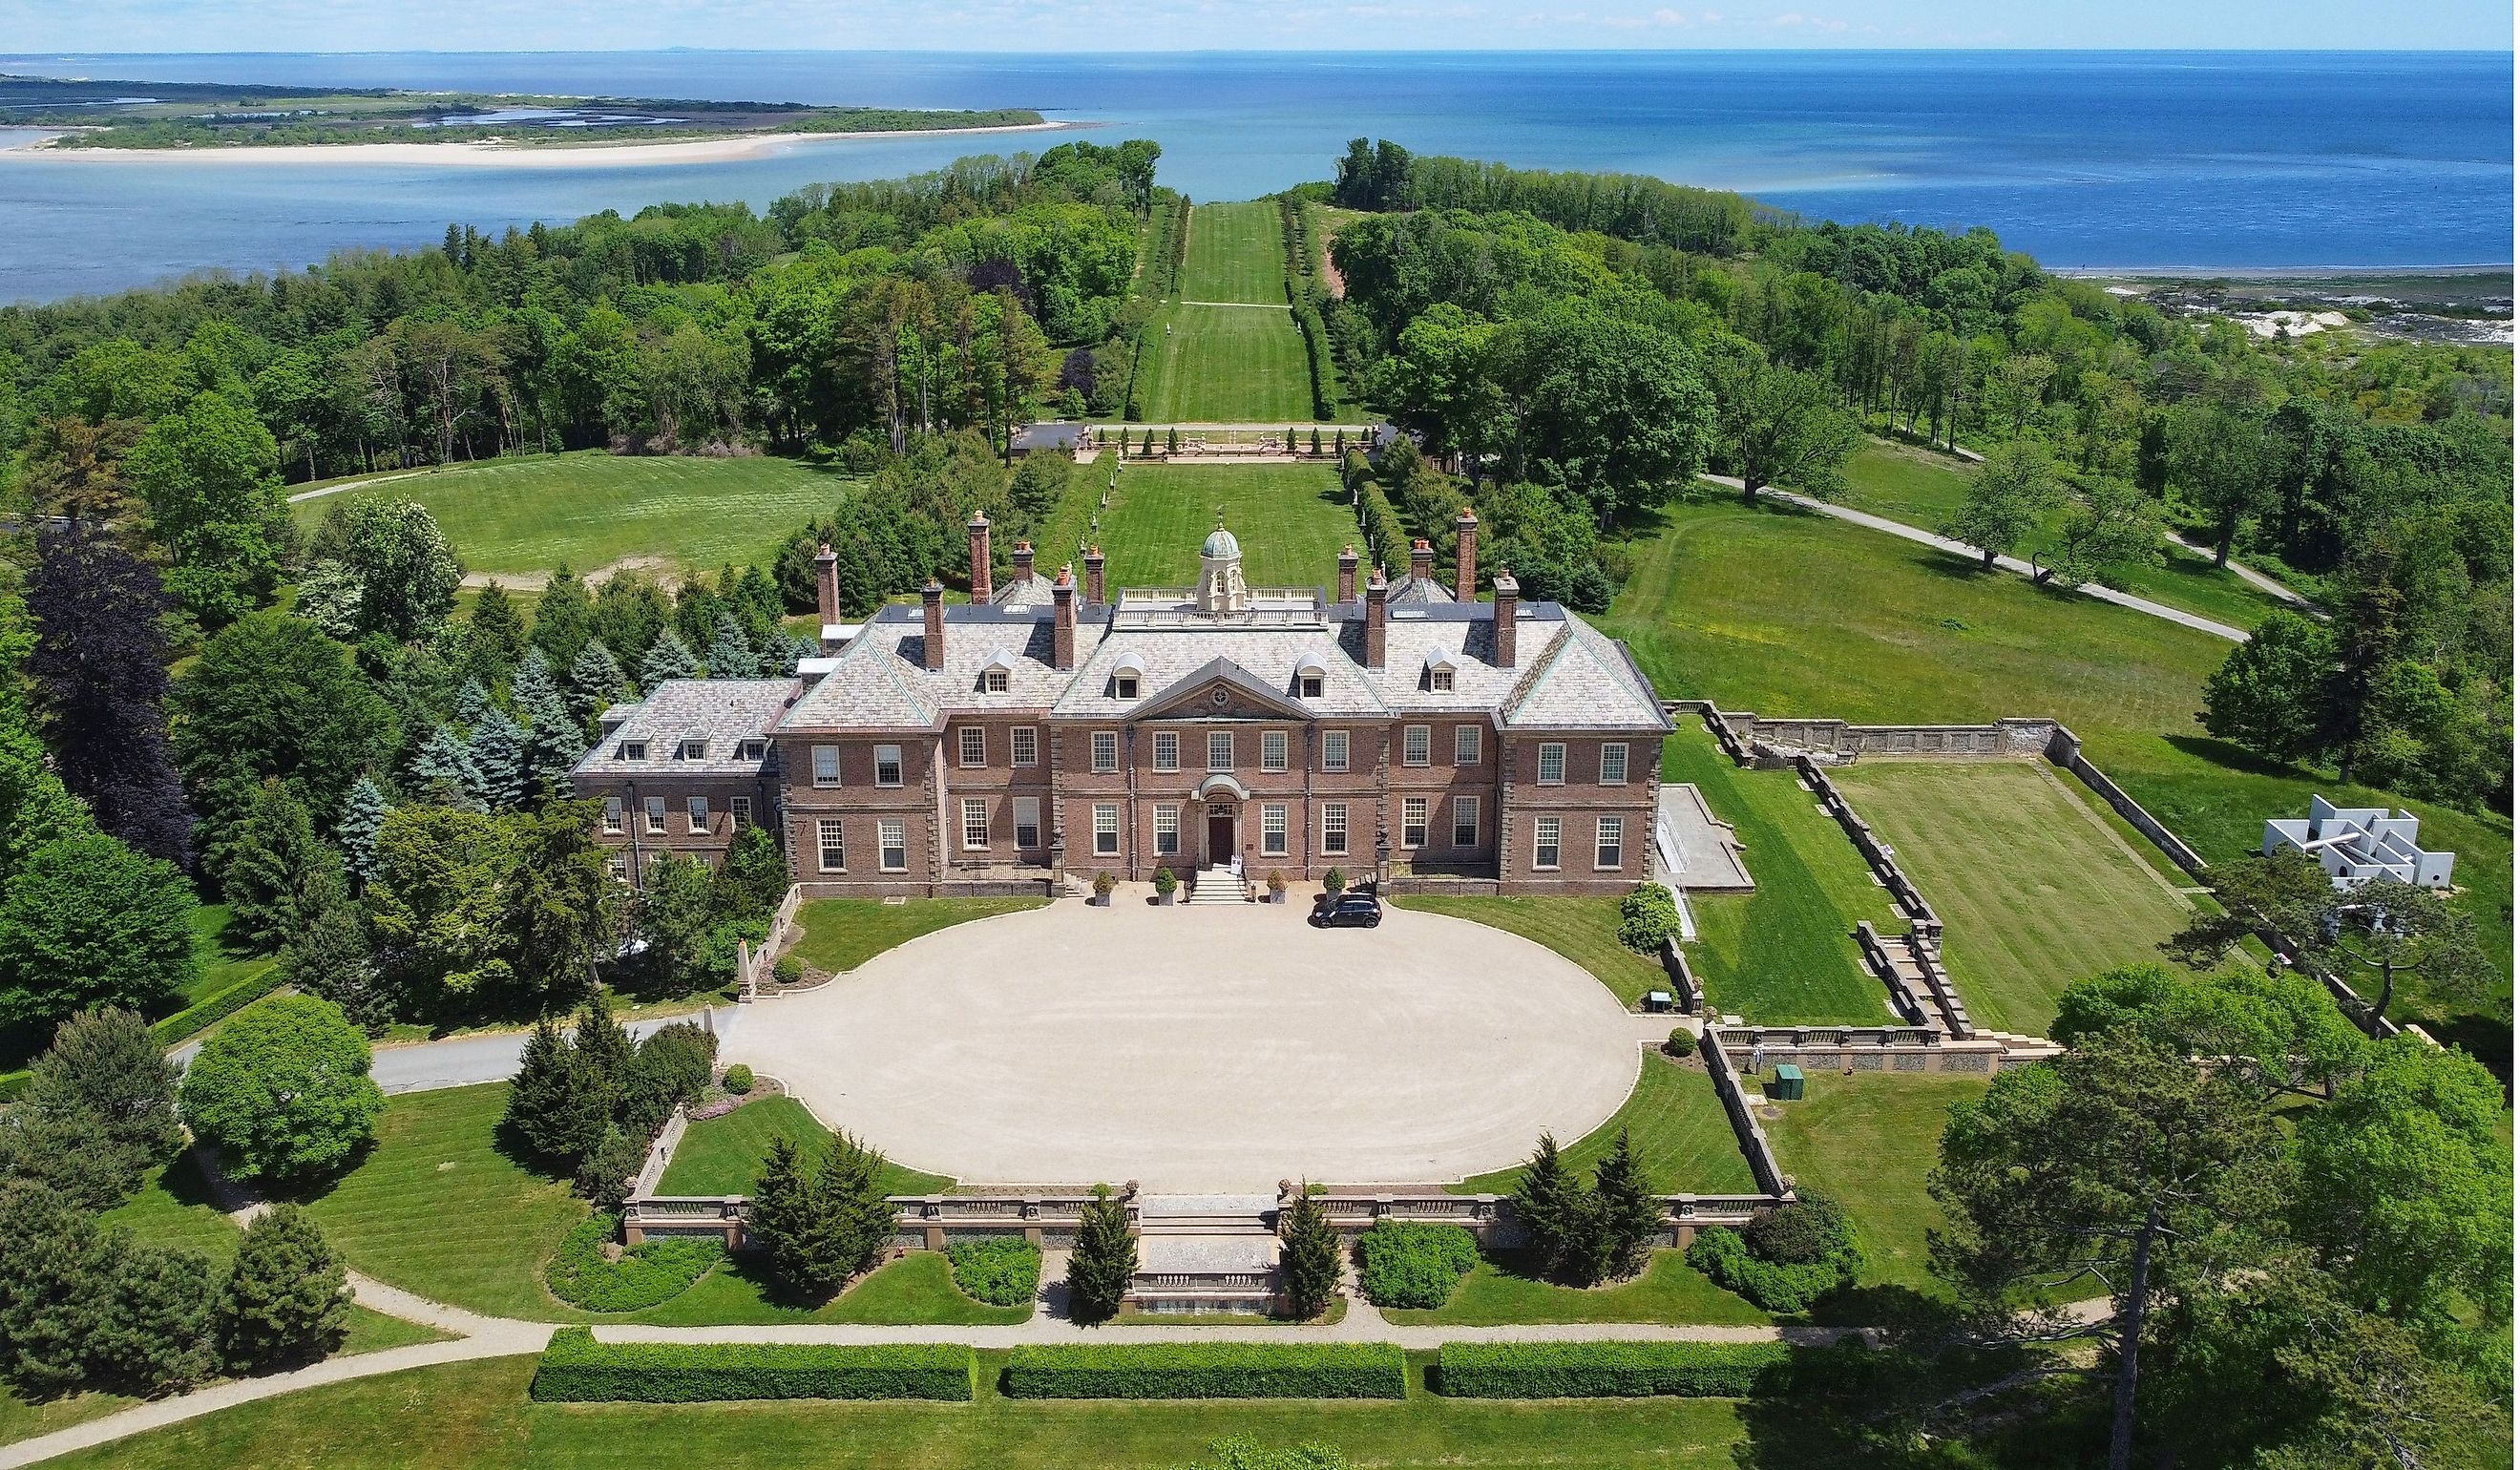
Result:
pixel 98 1114
pixel 776 654
pixel 730 651
pixel 1626 1214
pixel 497 631
pixel 472 703
pixel 604 1174
pixel 1104 1260
pixel 499 760
pixel 787 1222
pixel 267 863
pixel 668 657
pixel 564 618
pixel 286 1299
pixel 538 1094
pixel 595 680
pixel 99 666
pixel 1310 1264
pixel 1548 1202
pixel 443 771
pixel 363 811
pixel 849 1192
pixel 330 954
pixel 602 1046
pixel 557 739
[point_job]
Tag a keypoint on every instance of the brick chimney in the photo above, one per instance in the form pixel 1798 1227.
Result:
pixel 1022 560
pixel 827 585
pixel 1421 559
pixel 1465 556
pixel 1347 574
pixel 1093 577
pixel 1062 625
pixel 979 559
pixel 932 647
pixel 1377 592
pixel 1509 598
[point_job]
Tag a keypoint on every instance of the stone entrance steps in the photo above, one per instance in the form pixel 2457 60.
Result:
pixel 1216 885
pixel 1206 1214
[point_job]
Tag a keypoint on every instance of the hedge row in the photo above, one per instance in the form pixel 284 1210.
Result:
pixel 651 1272
pixel 1776 1286
pixel 1209 1370
pixel 217 1005
pixel 1609 1370
pixel 1408 1264
pixel 577 1370
pixel 1386 535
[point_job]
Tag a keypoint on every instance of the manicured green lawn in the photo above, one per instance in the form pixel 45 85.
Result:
pixel 1786 952
pixel 1669 1291
pixel 1675 1124
pixel 1237 253
pixel 475 1415
pixel 590 509
pixel 1584 930
pixel 917 1290
pixel 2035 889
pixel 225 960
pixel 1291 519
pixel 723 1155
pixel 1870 1138
pixel 1229 365
pixel 841 934
pixel 1795 615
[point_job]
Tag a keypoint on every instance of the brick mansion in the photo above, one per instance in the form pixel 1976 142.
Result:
pixel 1049 729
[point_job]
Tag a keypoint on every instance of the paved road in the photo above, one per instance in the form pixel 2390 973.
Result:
pixel 1907 532
pixel 2255 578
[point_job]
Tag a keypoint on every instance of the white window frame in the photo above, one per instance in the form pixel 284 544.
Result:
pixel 634 750
pixel 1023 746
pixel 1028 815
pixel 1466 820
pixel 975 817
pixel 993 680
pixel 1552 763
pixel 882 760
pixel 1124 685
pixel 1610 836
pixel 612 814
pixel 1167 750
pixel 1614 753
pixel 752 750
pixel 691 750
pixel 1167 830
pixel 1413 812
pixel 1273 830
pixel 695 811
pixel 1107 829
pixel 832 841
pixel 1416 745
pixel 892 835
pixel 1106 751
pixel 739 810
pixel 1439 681
pixel 1273 750
pixel 827 766
pixel 655 813
pixel 1335 741
pixel 1220 750
pixel 1335 830
pixel 1547 838
pixel 972 745
pixel 1469 744
pixel 618 864
pixel 1308 686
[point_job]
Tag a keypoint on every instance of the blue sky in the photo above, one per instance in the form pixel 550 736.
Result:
pixel 151 26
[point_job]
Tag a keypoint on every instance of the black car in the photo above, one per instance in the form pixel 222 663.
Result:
pixel 1349 911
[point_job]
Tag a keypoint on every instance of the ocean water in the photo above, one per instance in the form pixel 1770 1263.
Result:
pixel 2217 159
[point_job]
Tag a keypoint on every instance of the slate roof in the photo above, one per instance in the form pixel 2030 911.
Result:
pixel 724 712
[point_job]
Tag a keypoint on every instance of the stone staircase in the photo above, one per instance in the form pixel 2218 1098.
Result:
pixel 1216 885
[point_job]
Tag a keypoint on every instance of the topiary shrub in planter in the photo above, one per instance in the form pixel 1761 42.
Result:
pixel 1785 1259
pixel 1103 883
pixel 1407 1265
pixel 1335 882
pixel 584 1273
pixel 1165 884
pixel 1004 1272
pixel 739 1078
pixel 1277 886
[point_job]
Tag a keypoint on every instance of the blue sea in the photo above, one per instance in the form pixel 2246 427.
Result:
pixel 2222 160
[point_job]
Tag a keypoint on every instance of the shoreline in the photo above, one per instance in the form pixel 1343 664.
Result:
pixel 2266 272
pixel 497 153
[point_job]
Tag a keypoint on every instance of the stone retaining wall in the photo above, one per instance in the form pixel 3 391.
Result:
pixel 1753 1139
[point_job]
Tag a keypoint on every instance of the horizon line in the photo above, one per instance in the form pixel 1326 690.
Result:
pixel 1277 55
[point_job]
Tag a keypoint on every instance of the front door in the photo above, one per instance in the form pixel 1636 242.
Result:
pixel 1220 834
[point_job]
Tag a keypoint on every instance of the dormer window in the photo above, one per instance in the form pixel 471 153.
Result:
pixel 754 750
pixel 692 750
pixel 1440 680
pixel 1308 686
pixel 1124 685
pixel 634 750
pixel 997 672
pixel 994 681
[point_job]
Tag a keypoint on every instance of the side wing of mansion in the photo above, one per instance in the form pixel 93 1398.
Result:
pixel 1044 730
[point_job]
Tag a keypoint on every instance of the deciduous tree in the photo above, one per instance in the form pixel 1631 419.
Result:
pixel 2008 497
pixel 282 1091
pixel 99 664
pixel 88 921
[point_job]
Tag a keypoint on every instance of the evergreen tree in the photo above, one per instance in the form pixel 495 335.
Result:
pixel 539 1093
pixel 730 651
pixel 555 739
pixel 1106 1257
pixel 267 865
pixel 603 1046
pixel 564 618
pixel 776 653
pixel 668 657
pixel 52 1288
pixel 499 759
pixel 330 954
pixel 98 1113
pixel 754 879
pixel 1310 1266
pixel 99 665
pixel 1626 1214
pixel 443 772
pixel 363 811
pixel 1549 1201
pixel 497 630
pixel 285 1300
pixel 595 680
pixel 604 1174
pixel 154 1331
pixel 848 1191
pixel 781 1222
pixel 472 703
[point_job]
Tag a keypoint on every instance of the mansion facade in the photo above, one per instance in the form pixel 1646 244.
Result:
pixel 1046 729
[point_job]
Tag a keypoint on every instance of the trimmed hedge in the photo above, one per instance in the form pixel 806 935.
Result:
pixel 1777 1286
pixel 1004 1271
pixel 217 1005
pixel 644 1275
pixel 1610 1370
pixel 1411 1264
pixel 577 1370
pixel 1209 1370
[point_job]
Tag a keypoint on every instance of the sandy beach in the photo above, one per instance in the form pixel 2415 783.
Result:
pixel 503 153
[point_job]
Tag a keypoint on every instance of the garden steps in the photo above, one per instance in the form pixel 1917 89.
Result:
pixel 1217 885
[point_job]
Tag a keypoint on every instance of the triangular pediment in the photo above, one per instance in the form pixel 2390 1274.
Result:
pixel 1222 690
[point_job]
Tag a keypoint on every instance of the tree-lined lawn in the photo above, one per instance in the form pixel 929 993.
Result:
pixel 1584 930
pixel 1677 1127
pixel 2035 889
pixel 1237 253
pixel 1291 520
pixel 723 1155
pixel 1785 953
pixel 1228 364
pixel 589 508
pixel 840 934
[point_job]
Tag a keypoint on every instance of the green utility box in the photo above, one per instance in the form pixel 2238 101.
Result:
pixel 1789 1082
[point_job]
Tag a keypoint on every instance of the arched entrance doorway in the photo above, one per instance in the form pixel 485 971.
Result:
pixel 1220 820
pixel 1220 833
